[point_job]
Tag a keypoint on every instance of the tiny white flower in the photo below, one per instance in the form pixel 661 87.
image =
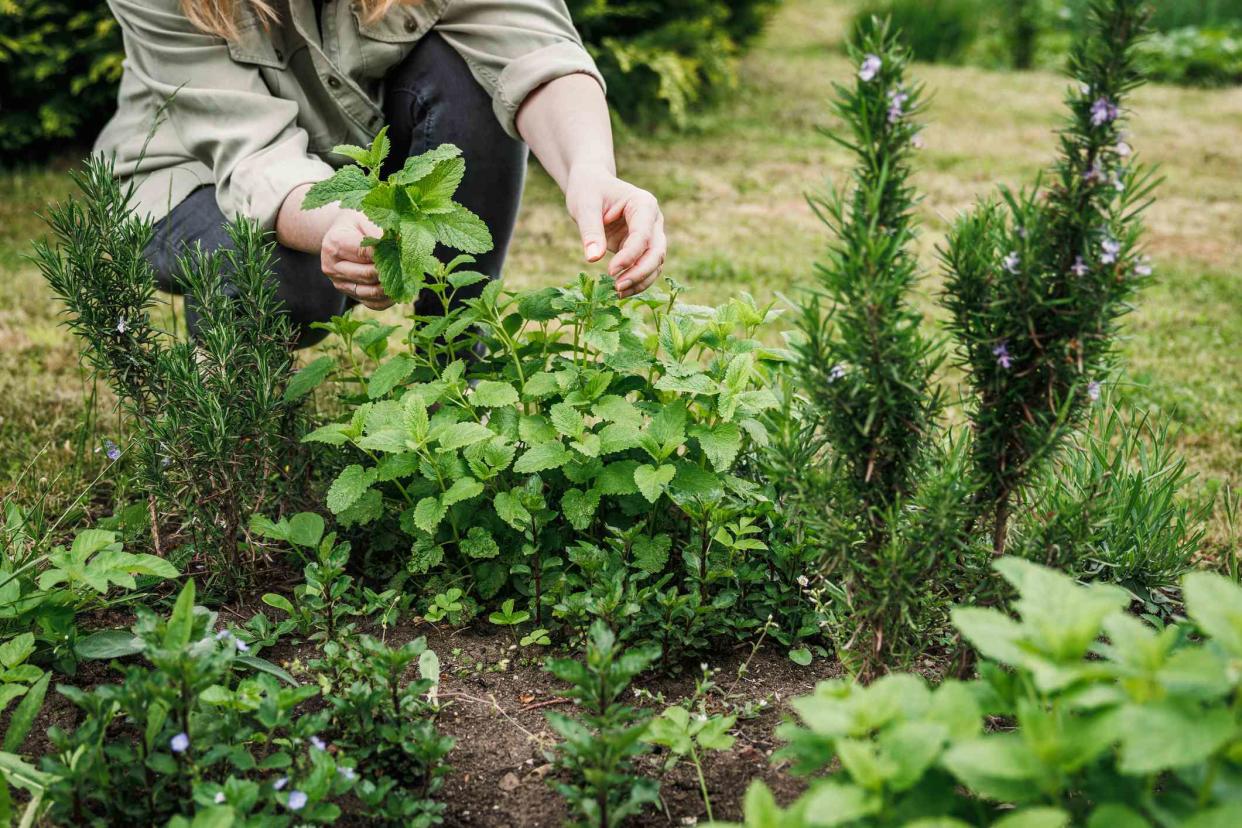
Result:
pixel 219 797
pixel 280 783
pixel 120 325
pixel 803 581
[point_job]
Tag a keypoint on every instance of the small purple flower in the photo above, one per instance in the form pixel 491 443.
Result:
pixel 1093 391
pixel 279 784
pixel 917 142
pixel 1012 262
pixel 179 743
pixel 317 743
pixel 1094 173
pixel 1084 87
pixel 837 372
pixel 112 450
pixel 1119 183
pixel 297 800
pixel 1124 149
pixel 120 325
pixel 896 108
pixel 871 66
pixel 1143 268
pixel 1103 111
pixel 347 773
pixel 1111 249
pixel 1003 359
pixel 1079 268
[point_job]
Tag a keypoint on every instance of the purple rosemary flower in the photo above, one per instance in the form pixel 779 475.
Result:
pixel 1119 183
pixel 1110 250
pixel 1003 359
pixel 297 800
pixel 179 743
pixel 279 784
pixel 120 325
pixel 317 743
pixel 1094 173
pixel 896 105
pixel 917 142
pixel 871 66
pixel 1012 262
pixel 1079 268
pixel 1093 391
pixel 112 450
pixel 1124 149
pixel 1103 111
pixel 1084 87
pixel 1143 268
pixel 837 372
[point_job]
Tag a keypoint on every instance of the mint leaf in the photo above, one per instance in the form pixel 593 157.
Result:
pixel 652 481
pixel 348 185
pixel 479 544
pixel 463 488
pixel 389 375
pixel 349 486
pixel 721 444
pixel 493 394
pixel 462 230
pixel 428 514
pixel 309 378
pixel 509 508
pixel 579 507
pixel 541 458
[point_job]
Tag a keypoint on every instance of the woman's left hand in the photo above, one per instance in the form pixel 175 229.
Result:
pixel 614 215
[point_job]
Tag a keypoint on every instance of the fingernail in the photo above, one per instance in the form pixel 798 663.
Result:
pixel 623 286
pixel 593 251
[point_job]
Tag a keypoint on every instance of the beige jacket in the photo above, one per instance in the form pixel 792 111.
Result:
pixel 257 116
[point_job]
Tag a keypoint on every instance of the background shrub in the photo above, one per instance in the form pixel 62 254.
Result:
pixel 933 30
pixel 60 61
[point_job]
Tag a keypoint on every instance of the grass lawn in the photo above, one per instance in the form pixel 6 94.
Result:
pixel 733 190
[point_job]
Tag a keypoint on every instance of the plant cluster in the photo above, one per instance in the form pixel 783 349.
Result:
pixel 904 507
pixel 588 465
pixel 1098 719
pixel 204 738
pixel 208 416
pixel 598 746
pixel 43 594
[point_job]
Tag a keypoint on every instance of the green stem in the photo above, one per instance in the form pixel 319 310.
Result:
pixel 707 802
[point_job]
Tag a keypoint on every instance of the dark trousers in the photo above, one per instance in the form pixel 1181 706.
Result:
pixel 430 99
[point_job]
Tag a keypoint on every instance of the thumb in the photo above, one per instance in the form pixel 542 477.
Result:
pixel 591 227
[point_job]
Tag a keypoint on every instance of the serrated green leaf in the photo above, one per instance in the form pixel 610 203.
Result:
pixel 389 375
pixel 479 544
pixel 462 489
pixel 460 435
pixel 351 484
pixel 509 508
pixel 309 378
pixel 618 478
pixel 567 420
pixel 348 185
pixel 542 457
pixel 651 553
pixel 720 443
pixel 462 230
pixel 493 394
pixel 428 514
pixel 652 481
pixel 579 507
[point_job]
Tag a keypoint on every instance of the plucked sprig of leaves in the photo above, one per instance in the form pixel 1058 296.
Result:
pixel 1038 281
pixel 414 207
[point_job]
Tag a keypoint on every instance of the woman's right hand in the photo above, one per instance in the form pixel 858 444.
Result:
pixel 349 264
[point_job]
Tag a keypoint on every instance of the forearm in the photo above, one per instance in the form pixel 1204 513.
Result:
pixel 300 229
pixel 565 123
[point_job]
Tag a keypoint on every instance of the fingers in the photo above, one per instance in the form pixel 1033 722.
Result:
pixel 344 243
pixel 642 217
pixel 590 221
pixel 372 296
pixel 646 270
pixel 353 272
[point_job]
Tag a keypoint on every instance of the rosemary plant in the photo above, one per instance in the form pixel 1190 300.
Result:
pixel 1038 280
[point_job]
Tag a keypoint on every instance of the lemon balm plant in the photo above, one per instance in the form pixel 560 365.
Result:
pixel 506 474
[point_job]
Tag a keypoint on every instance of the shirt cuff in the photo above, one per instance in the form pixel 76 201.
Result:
pixel 531 71
pixel 267 189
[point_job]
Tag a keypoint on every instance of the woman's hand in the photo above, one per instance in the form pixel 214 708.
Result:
pixel 613 215
pixel 349 264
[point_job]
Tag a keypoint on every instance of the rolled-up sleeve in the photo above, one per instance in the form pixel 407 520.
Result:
pixel 222 111
pixel 515 46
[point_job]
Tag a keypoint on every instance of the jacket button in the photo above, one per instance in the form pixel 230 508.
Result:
pixel 333 82
pixel 411 25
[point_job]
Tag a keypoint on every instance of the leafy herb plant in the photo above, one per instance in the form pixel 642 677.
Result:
pixel 598 746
